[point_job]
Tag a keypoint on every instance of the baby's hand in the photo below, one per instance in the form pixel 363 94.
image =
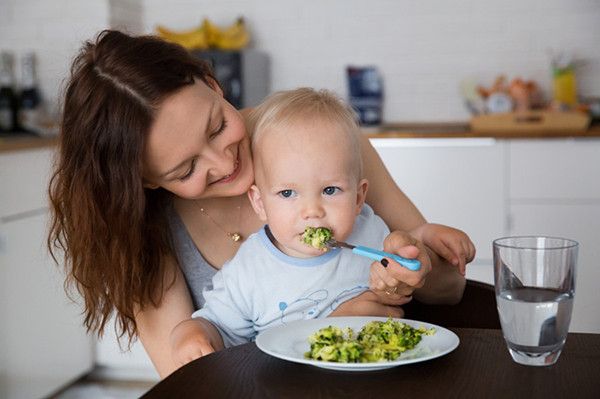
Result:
pixel 189 342
pixel 451 244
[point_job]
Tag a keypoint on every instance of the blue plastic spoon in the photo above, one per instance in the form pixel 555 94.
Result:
pixel 410 264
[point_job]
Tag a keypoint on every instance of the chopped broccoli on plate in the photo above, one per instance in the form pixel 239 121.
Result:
pixel 377 341
pixel 316 237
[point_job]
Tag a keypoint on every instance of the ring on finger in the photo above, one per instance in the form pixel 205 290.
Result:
pixel 394 291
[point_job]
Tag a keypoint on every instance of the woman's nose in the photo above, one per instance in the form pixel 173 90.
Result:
pixel 312 209
pixel 218 163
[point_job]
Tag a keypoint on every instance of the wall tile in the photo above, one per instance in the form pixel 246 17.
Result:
pixel 424 49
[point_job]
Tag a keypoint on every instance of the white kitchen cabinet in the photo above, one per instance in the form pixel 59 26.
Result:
pixel 43 345
pixel 580 222
pixel 555 190
pixel 518 187
pixel 24 176
pixel 555 170
pixel 457 182
pixel 121 363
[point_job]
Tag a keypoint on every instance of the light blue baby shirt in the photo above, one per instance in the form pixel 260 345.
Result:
pixel 262 287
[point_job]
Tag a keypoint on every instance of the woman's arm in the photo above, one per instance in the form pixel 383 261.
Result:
pixel 444 284
pixel 384 195
pixel 155 324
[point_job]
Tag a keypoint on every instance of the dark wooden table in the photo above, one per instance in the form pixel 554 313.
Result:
pixel 480 367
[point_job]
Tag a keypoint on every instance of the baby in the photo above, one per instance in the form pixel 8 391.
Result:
pixel 308 173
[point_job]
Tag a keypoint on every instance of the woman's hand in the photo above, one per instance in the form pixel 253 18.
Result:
pixel 451 244
pixel 394 284
pixel 192 339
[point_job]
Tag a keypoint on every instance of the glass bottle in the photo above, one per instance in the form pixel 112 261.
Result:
pixel 29 99
pixel 8 99
pixel 563 80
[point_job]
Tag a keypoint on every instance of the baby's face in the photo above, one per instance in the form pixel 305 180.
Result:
pixel 305 177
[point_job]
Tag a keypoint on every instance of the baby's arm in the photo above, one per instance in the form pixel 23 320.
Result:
pixel 451 244
pixel 199 336
pixel 370 304
pixel 194 338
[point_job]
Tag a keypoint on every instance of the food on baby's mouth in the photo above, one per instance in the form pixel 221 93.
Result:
pixel 316 237
pixel 377 341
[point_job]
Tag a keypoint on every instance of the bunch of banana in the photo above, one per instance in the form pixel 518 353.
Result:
pixel 209 35
pixel 193 39
pixel 233 37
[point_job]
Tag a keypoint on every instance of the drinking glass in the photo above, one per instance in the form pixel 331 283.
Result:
pixel 534 278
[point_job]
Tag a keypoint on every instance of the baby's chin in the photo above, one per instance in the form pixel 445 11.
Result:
pixel 312 252
pixel 308 252
pixel 302 251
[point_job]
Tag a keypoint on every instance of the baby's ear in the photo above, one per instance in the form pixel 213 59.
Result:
pixel 361 194
pixel 257 203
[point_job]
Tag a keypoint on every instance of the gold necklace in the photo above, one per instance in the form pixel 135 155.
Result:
pixel 234 236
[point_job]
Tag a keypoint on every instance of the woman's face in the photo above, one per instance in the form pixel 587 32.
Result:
pixel 198 146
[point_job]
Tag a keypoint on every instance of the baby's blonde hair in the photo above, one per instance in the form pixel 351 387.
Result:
pixel 285 108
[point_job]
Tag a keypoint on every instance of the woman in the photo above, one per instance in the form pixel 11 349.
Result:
pixel 149 194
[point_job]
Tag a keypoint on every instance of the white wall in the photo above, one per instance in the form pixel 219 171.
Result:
pixel 423 48
pixel 127 15
pixel 54 30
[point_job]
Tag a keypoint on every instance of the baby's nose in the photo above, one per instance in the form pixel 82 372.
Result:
pixel 313 210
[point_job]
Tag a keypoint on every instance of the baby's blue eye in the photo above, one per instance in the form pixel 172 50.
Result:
pixel 286 193
pixel 330 190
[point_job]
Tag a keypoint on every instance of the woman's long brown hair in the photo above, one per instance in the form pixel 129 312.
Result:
pixel 112 233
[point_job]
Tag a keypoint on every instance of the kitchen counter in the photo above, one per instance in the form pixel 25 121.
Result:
pixel 24 142
pixel 398 130
pixel 462 130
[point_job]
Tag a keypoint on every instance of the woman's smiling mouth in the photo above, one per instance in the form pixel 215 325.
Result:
pixel 232 176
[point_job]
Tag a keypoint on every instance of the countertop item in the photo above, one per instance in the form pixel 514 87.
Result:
pixel 531 122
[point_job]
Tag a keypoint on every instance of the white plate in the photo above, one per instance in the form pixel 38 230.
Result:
pixel 290 342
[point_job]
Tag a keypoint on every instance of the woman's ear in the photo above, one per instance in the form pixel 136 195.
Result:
pixel 257 203
pixel 213 84
pixel 150 186
pixel 361 194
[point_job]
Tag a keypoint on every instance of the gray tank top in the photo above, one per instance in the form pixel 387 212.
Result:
pixel 197 271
